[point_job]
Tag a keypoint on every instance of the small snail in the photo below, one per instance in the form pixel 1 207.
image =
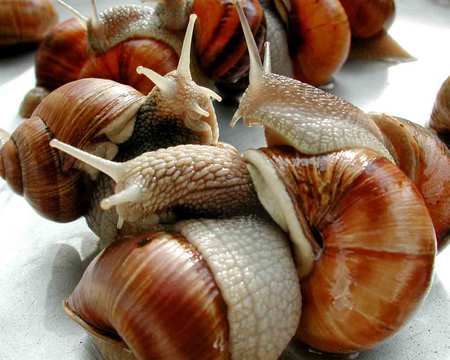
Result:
pixel 100 116
pixel 24 21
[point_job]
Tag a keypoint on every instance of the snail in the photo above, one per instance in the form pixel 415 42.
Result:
pixel 314 122
pixel 231 291
pixel 100 116
pixel 25 21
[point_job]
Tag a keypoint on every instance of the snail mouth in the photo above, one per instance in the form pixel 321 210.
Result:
pixel 204 128
pixel 279 204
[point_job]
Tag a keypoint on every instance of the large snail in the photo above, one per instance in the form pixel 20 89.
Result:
pixel 25 21
pixel 328 178
pixel 101 116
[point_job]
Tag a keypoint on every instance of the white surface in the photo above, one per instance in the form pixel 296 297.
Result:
pixel 42 261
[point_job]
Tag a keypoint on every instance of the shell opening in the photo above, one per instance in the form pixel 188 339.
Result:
pixel 75 12
pixel 277 202
pixel 110 168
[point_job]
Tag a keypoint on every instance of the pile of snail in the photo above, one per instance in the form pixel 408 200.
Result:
pixel 25 21
pixel 112 43
pixel 328 235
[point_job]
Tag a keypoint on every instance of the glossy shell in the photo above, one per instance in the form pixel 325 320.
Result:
pixel 61 55
pixel 120 62
pixel 202 291
pixel 426 161
pixel 319 38
pixel 368 18
pixel 376 246
pixel 77 112
pixel 219 41
pixel 25 20
pixel 440 117
pixel 166 278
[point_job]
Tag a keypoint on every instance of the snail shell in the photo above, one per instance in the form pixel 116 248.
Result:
pixel 362 220
pixel 219 42
pixel 368 18
pixel 49 182
pixel 440 117
pixel 425 159
pixel 209 289
pixel 25 20
pixel 318 36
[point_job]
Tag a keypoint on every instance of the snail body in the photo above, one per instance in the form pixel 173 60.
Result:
pixel 98 115
pixel 23 21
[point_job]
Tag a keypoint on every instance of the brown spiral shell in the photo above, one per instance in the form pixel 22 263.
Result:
pixel 120 62
pixel 173 308
pixel 76 112
pixel 426 161
pixel 219 40
pixel 61 55
pixel 440 117
pixel 25 20
pixel 368 18
pixel 377 246
pixel 64 57
pixel 318 36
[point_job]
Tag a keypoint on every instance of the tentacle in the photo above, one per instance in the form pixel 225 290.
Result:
pixel 83 19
